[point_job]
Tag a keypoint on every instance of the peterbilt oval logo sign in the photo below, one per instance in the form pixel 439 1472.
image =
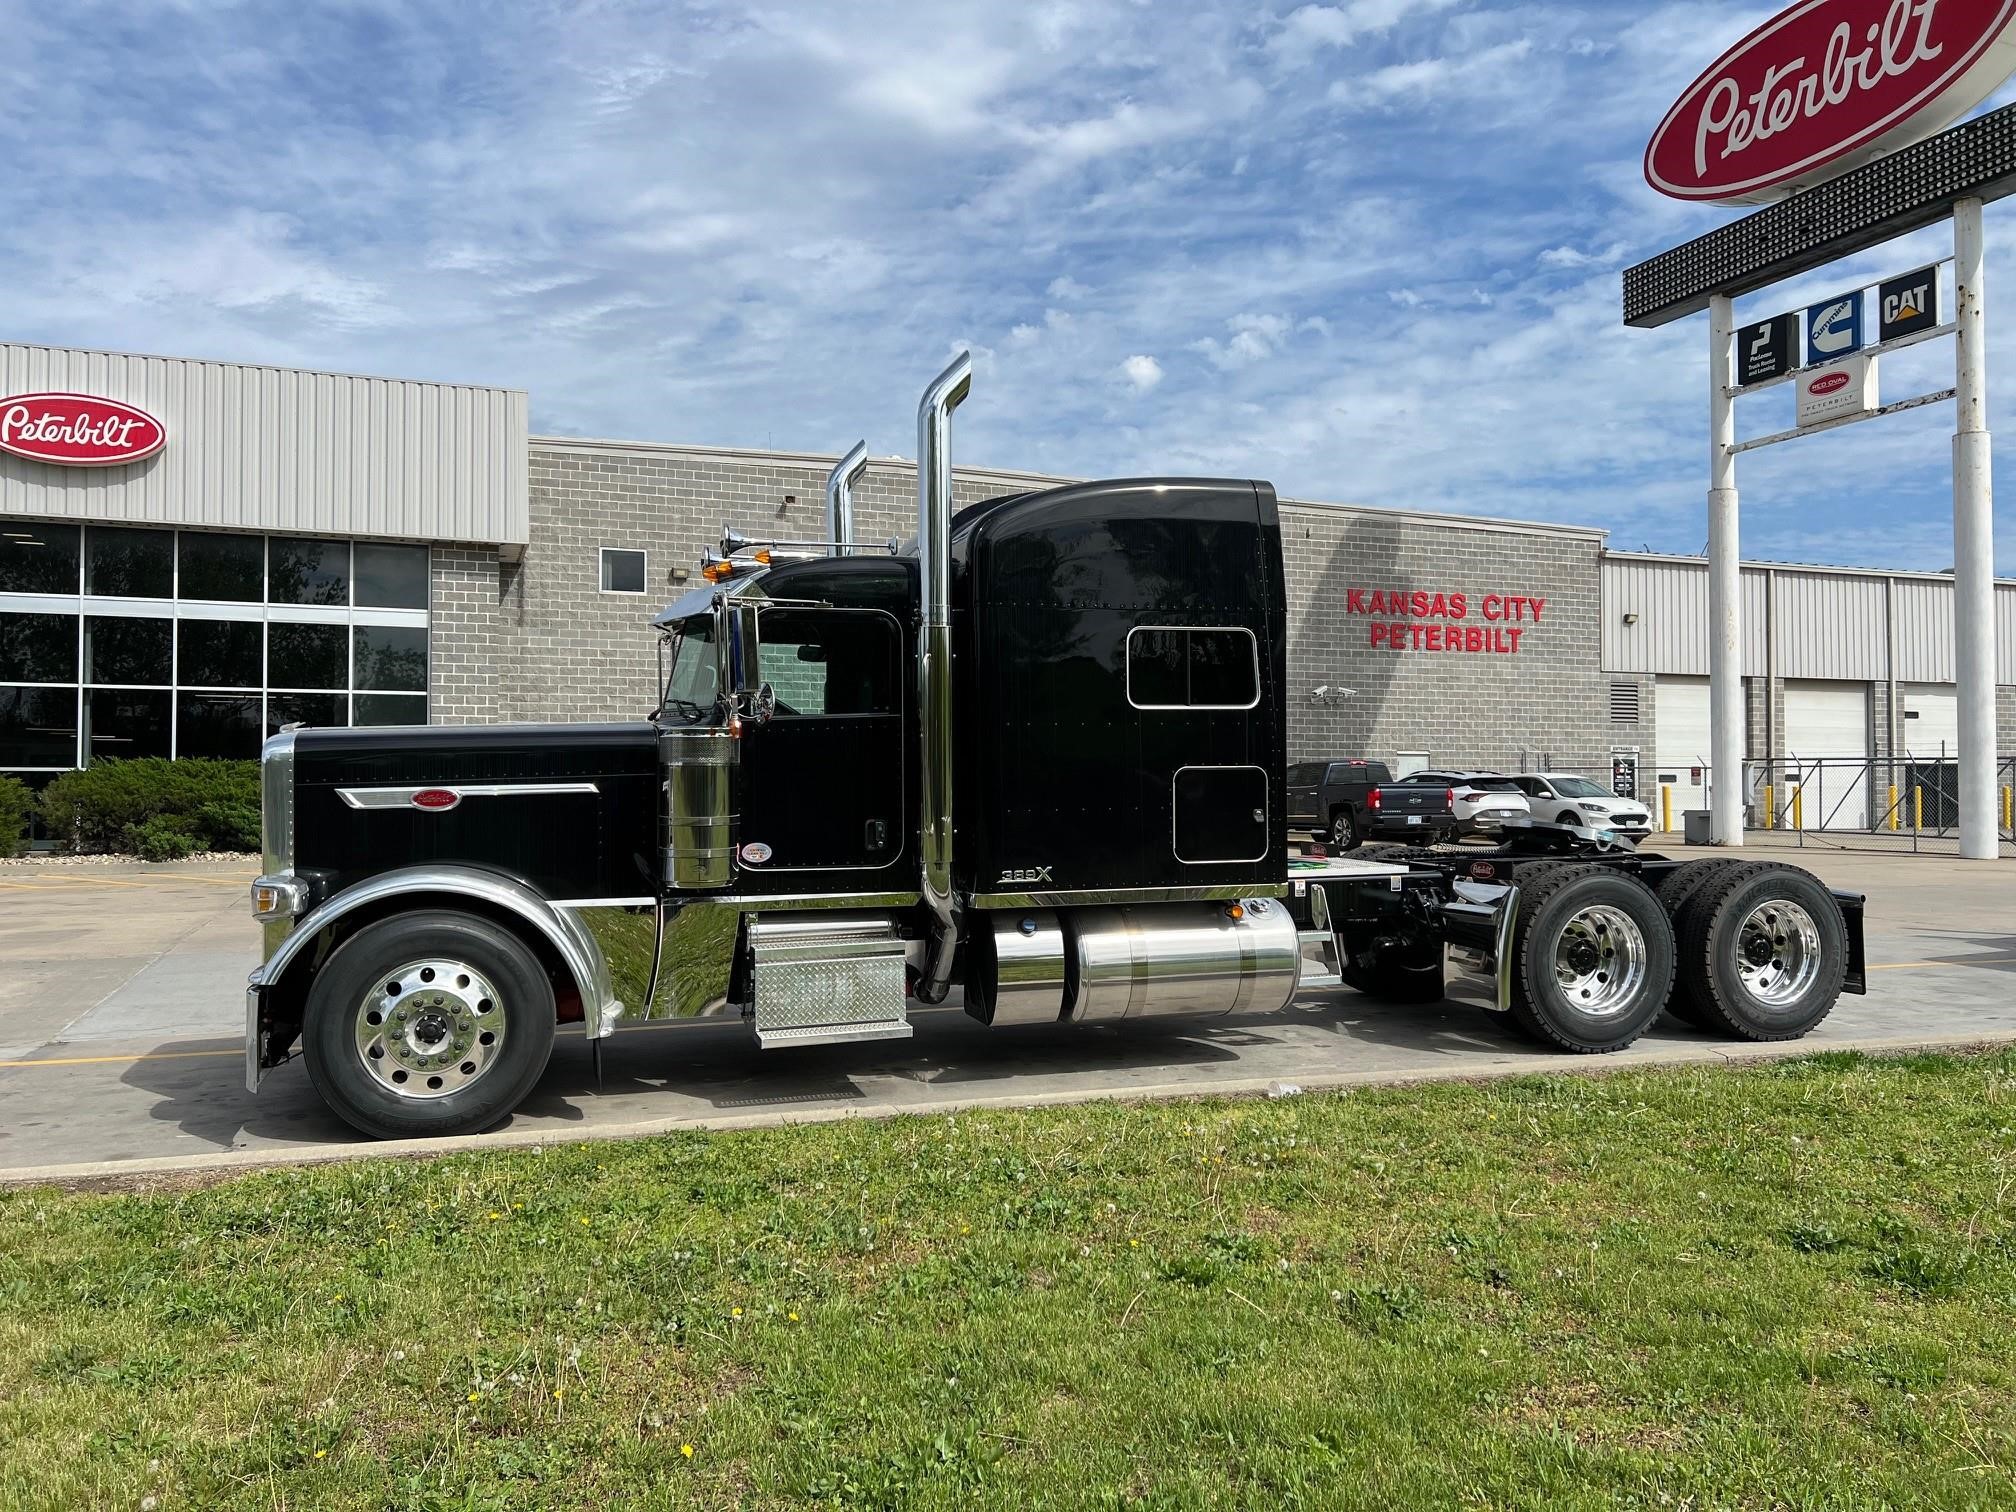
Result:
pixel 81 430
pixel 1826 86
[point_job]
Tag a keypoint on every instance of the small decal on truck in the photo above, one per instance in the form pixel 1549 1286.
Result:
pixel 1025 874
pixel 755 853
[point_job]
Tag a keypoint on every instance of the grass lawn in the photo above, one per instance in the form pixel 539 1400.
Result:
pixel 1791 1286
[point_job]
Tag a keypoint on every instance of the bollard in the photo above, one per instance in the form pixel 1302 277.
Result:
pixel 1893 805
pixel 2009 808
pixel 1918 808
pixel 1799 808
pixel 1770 807
pixel 1666 810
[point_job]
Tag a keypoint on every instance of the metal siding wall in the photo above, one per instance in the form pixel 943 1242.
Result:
pixel 2005 636
pixel 1671 602
pixel 1924 631
pixel 258 448
pixel 1830 628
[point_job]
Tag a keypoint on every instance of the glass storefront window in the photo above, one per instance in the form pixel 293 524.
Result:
pixel 220 654
pixel 307 656
pixel 390 709
pixel 126 563
pixel 37 557
pixel 391 577
pixel 391 658
pixel 223 568
pixel 38 727
pixel 120 650
pixel 307 572
pixel 38 648
pixel 125 722
pixel 323 710
pixel 225 726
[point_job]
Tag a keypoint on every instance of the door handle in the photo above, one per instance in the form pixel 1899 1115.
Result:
pixel 875 834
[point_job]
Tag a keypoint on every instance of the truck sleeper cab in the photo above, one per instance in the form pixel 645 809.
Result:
pixel 1037 758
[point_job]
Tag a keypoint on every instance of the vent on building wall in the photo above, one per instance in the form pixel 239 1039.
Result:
pixel 1624 703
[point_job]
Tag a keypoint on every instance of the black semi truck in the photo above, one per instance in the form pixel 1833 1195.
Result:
pixel 1034 761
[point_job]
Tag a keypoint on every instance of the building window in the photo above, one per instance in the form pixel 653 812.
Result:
pixel 248 634
pixel 223 568
pixel 1192 667
pixel 124 563
pixel 37 558
pixel 622 571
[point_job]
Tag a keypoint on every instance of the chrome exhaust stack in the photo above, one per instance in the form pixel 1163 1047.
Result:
pixel 934 665
pixel 840 497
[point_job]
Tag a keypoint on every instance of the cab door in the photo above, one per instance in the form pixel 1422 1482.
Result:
pixel 823 777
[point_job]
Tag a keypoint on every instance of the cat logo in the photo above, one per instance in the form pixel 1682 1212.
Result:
pixel 1025 875
pixel 1905 306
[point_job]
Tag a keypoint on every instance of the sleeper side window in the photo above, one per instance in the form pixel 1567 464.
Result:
pixel 1192 667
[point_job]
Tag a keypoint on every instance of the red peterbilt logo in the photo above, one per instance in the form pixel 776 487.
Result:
pixel 1826 86
pixel 81 430
pixel 1828 383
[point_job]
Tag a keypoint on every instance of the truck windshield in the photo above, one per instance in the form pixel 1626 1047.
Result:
pixel 692 676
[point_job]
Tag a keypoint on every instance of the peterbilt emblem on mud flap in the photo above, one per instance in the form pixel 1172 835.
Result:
pixel 1025 874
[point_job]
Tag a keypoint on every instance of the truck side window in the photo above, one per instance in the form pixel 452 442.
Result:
pixel 1192 667
pixel 830 661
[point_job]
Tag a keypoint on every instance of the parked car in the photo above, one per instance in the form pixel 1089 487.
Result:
pixel 1350 802
pixel 1484 802
pixel 1565 798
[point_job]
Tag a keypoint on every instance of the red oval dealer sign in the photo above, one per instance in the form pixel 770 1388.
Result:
pixel 1826 86
pixel 82 430
pixel 1829 383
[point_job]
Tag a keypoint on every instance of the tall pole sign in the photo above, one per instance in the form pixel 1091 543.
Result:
pixel 1826 105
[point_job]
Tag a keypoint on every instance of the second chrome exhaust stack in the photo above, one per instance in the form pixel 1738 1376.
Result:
pixel 934 665
pixel 840 497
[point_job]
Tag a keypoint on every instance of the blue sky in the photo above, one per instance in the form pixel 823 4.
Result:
pixel 1367 249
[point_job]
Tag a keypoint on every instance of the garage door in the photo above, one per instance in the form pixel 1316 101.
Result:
pixel 1681 708
pixel 1826 745
pixel 1931 719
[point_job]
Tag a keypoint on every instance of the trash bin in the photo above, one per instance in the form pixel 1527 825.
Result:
pixel 1696 826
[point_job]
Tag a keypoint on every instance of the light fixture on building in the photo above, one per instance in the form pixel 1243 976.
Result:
pixel 1631 618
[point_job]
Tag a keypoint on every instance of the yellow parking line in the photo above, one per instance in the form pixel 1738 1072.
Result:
pixel 122 1060
pixel 1979 960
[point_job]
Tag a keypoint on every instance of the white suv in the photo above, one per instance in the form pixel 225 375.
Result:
pixel 1483 802
pixel 1564 798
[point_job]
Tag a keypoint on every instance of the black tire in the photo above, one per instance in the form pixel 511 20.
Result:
pixel 1569 819
pixel 1554 920
pixel 1344 830
pixel 356 975
pixel 1729 925
pixel 1677 889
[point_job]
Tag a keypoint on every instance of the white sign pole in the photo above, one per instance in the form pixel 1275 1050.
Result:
pixel 1725 583
pixel 1974 544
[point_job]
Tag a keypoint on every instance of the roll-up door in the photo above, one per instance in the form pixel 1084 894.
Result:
pixel 1681 705
pixel 1826 750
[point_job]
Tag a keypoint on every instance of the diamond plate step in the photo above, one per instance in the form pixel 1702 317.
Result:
pixel 830 1034
pixel 827 978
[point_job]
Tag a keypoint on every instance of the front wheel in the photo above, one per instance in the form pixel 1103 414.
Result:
pixel 1593 958
pixel 428 1023
pixel 1344 830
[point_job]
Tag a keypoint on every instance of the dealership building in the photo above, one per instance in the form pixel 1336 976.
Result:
pixel 289 546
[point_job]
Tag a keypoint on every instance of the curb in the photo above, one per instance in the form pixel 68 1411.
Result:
pixel 121 1175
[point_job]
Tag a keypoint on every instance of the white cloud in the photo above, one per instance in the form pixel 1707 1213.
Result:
pixel 1066 287
pixel 1312 29
pixel 1142 372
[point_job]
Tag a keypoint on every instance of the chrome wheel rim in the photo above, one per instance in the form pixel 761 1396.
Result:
pixel 1600 961
pixel 1778 953
pixel 430 1028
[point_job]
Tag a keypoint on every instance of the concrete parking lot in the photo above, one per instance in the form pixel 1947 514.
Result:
pixel 121 1010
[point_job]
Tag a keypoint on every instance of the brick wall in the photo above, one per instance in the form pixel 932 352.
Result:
pixel 541 641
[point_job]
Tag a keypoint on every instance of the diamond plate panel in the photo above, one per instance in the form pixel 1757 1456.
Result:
pixel 1886 198
pixel 807 991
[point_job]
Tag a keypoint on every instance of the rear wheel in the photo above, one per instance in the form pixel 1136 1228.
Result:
pixel 1344 830
pixel 428 1023
pixel 1677 890
pixel 1763 951
pixel 1592 958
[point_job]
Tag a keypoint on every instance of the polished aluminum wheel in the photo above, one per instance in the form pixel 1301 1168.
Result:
pixel 1600 961
pixel 1778 953
pixel 430 1028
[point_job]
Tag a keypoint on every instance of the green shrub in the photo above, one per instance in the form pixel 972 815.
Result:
pixel 16 804
pixel 165 837
pixel 104 806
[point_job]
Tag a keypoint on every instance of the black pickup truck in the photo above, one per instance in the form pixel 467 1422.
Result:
pixel 1350 802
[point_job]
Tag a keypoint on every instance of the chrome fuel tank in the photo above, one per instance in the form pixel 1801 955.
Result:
pixel 1181 958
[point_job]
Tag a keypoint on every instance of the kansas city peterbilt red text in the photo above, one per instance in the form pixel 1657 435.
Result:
pixel 1398 617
